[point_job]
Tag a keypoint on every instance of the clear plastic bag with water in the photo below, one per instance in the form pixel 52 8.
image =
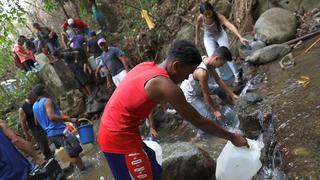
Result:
pixel 231 119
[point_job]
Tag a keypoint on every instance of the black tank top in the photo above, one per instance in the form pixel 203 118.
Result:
pixel 27 108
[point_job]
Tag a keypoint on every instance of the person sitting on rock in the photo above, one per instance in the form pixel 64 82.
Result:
pixel 48 115
pixel 141 90
pixel 215 36
pixel 13 165
pixel 203 82
pixel 26 118
pixel 114 62
pixel 76 66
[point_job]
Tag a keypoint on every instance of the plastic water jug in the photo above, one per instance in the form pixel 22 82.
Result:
pixel 240 163
pixel 157 149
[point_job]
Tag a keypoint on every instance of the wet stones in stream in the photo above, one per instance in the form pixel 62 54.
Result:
pixel 248 115
pixel 185 161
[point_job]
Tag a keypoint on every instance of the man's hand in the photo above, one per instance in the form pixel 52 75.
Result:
pixel 217 114
pixel 40 161
pixel 238 140
pixel 153 132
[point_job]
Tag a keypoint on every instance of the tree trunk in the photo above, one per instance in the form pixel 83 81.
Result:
pixel 242 15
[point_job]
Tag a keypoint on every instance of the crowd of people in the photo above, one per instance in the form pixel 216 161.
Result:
pixel 184 79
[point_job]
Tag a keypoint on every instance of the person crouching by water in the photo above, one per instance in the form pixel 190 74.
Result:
pixel 141 90
pixel 48 115
pixel 203 82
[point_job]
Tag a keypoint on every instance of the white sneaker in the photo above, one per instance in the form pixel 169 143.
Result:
pixel 171 111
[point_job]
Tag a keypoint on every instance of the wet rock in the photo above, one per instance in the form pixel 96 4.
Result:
pixel 252 98
pixel 268 54
pixel 164 121
pixel 248 116
pixel 276 26
pixel 58 77
pixel 73 103
pixel 245 51
pixel 184 161
pixel 250 124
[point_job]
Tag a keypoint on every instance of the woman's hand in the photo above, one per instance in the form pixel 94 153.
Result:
pixel 234 97
pixel 244 41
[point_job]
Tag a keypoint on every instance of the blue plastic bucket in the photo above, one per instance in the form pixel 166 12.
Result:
pixel 86 133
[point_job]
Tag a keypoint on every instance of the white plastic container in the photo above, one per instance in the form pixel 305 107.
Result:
pixel 157 149
pixel 236 163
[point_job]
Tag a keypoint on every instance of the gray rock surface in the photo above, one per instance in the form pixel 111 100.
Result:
pixel 58 78
pixel 187 32
pixel 184 161
pixel 268 54
pixel 276 26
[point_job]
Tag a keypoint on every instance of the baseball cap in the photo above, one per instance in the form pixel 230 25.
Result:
pixel 70 21
pixel 102 40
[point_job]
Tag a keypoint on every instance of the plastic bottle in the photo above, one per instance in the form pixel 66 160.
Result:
pixel 239 163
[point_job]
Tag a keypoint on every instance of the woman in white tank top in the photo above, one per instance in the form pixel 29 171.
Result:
pixel 214 34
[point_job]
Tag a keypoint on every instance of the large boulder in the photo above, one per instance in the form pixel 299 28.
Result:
pixel 184 161
pixel 276 25
pixel 186 33
pixel 292 5
pixel 58 78
pixel 268 54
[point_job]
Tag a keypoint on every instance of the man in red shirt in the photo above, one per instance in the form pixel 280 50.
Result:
pixel 144 86
pixel 76 23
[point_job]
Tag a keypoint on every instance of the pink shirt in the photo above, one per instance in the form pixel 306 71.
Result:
pixel 27 54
